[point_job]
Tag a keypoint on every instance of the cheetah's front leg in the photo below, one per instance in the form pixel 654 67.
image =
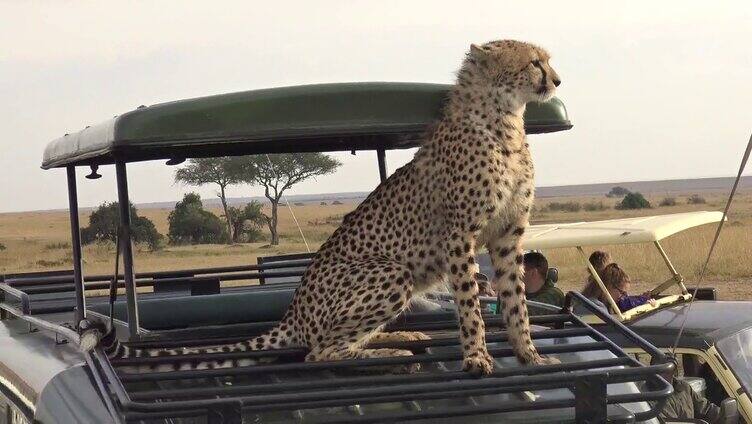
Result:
pixel 461 251
pixel 506 256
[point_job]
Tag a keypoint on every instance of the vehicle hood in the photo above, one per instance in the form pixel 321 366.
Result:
pixel 712 320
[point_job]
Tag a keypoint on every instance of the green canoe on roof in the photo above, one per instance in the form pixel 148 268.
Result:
pixel 308 118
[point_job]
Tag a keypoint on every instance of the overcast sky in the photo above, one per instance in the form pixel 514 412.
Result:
pixel 655 89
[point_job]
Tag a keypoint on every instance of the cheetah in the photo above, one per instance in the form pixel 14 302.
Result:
pixel 469 185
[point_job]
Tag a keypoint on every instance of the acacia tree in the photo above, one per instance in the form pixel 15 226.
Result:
pixel 217 171
pixel 617 191
pixel 277 173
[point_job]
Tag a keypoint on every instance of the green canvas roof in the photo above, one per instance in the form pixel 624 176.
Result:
pixel 308 118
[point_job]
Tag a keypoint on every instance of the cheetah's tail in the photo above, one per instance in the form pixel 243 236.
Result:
pixel 276 338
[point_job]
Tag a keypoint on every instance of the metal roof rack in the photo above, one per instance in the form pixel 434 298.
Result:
pixel 295 391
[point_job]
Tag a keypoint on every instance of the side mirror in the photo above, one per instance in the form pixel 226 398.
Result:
pixel 706 293
pixel 729 411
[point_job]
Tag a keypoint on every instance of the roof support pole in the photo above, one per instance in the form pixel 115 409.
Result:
pixel 598 280
pixel 381 155
pixel 677 277
pixel 127 248
pixel 78 279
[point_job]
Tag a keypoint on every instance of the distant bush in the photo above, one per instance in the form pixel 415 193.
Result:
pixel 57 246
pixel 322 203
pixel 695 199
pixel 564 207
pixel 329 220
pixel 633 201
pixel 49 264
pixel 300 204
pixel 246 222
pixel 668 201
pixel 336 202
pixel 617 191
pixel 594 206
pixel 105 220
pixel 190 223
pixel 2 246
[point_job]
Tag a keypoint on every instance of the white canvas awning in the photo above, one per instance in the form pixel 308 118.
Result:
pixel 646 229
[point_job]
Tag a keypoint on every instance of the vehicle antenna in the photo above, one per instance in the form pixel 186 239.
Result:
pixel 271 166
pixel 715 240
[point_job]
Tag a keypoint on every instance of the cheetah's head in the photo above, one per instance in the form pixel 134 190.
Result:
pixel 516 70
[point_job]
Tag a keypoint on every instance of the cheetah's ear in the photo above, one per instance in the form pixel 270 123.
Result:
pixel 477 52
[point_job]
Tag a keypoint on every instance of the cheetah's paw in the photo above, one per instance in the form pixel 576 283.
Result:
pixel 416 335
pixel 545 360
pixel 406 369
pixel 482 364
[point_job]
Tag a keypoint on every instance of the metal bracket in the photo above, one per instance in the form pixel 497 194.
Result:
pixel 590 399
pixel 60 341
pixel 381 155
pixel 225 414
pixel 676 276
pixel 3 314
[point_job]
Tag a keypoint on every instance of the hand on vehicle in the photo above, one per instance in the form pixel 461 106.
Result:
pixel 485 289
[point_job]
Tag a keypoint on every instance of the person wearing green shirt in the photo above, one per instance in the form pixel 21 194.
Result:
pixel 537 287
pixel 684 404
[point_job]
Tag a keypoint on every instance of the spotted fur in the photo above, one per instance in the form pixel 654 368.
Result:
pixel 469 185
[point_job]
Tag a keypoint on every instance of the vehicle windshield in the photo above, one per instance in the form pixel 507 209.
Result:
pixel 737 351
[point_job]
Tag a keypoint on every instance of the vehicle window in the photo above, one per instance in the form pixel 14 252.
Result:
pixel 737 352
pixel 714 391
pixel 695 366
pixel 690 365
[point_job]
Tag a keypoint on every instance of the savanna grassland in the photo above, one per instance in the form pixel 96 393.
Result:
pixel 36 241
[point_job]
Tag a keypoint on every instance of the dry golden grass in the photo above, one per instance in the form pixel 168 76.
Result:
pixel 40 241
pixel 37 241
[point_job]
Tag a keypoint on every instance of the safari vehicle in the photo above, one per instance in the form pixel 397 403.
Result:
pixel 637 230
pixel 714 350
pixel 715 347
pixel 45 377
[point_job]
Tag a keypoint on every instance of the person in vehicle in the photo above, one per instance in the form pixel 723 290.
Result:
pixel 618 283
pixel 685 403
pixel 537 286
pixel 599 259
pixel 484 285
